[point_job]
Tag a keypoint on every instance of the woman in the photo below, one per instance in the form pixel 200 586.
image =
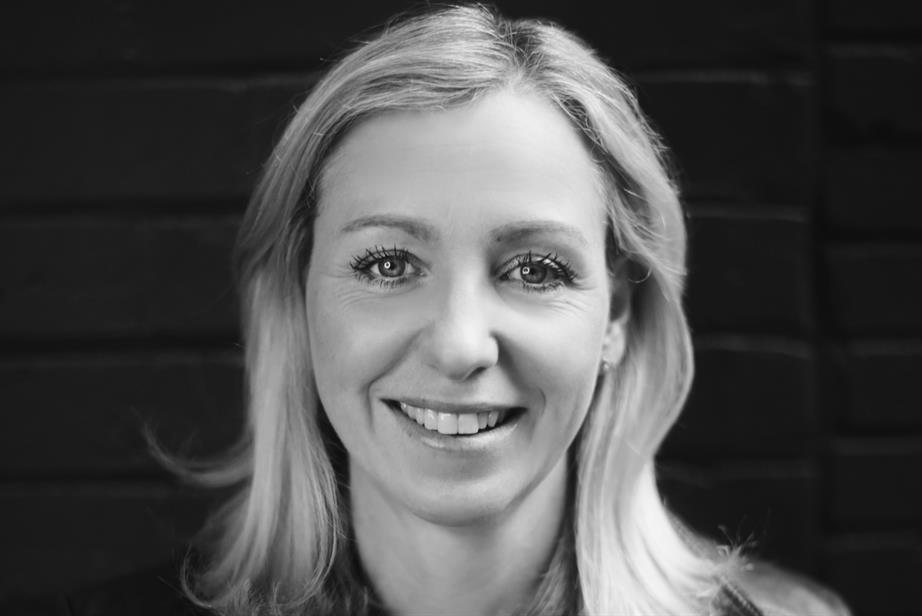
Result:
pixel 462 277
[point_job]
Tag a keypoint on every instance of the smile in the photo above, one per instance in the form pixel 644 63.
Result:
pixel 442 423
pixel 453 423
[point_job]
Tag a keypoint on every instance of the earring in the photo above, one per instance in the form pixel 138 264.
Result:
pixel 605 366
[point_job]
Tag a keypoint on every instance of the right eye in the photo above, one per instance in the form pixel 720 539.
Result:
pixel 390 267
pixel 386 266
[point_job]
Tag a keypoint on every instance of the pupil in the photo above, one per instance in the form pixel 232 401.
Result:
pixel 391 268
pixel 533 274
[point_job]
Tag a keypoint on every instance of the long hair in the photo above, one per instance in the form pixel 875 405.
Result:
pixel 282 545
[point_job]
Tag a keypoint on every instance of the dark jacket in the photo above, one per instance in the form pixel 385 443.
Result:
pixel 157 592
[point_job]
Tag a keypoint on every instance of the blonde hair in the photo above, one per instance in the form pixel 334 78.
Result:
pixel 282 545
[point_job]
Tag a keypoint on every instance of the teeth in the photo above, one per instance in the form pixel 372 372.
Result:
pixel 448 423
pixel 453 423
pixel 468 424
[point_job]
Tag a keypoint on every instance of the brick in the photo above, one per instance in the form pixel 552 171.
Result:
pixel 875 385
pixel 881 17
pixel 876 481
pixel 873 289
pixel 117 279
pixel 59 536
pixel 768 506
pixel 153 141
pixel 711 32
pixel 148 36
pixel 874 95
pixel 740 138
pixel 142 36
pixel 85 415
pixel 137 143
pixel 876 573
pixel 873 189
pixel 749 274
pixel 751 396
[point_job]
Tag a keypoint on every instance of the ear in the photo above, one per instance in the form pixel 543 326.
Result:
pixel 619 314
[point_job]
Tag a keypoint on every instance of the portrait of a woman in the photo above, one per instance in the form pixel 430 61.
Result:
pixel 461 276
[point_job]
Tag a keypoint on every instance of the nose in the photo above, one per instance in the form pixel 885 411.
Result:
pixel 459 341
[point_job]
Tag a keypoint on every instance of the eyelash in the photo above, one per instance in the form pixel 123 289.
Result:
pixel 559 266
pixel 361 266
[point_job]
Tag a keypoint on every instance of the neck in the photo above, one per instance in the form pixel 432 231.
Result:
pixel 489 567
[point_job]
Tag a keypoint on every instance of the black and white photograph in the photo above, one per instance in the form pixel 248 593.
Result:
pixel 461 308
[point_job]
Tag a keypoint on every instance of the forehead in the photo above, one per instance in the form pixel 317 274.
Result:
pixel 510 155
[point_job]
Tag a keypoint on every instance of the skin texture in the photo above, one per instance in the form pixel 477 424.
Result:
pixel 432 278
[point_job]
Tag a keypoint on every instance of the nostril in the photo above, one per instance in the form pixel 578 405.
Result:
pixel 460 342
pixel 461 360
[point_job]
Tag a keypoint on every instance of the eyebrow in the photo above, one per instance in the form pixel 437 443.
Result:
pixel 411 226
pixel 516 231
pixel 509 232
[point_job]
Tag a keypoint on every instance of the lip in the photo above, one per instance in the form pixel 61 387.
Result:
pixel 456 443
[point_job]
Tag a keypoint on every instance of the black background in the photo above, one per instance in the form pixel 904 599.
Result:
pixel 132 131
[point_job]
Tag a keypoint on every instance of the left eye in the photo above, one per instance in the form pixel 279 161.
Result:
pixel 536 272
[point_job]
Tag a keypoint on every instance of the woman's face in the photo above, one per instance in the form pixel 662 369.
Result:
pixel 458 279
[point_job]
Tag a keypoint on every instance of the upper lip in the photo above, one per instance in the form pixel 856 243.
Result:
pixel 454 407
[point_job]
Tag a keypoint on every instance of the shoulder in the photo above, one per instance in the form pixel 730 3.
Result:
pixel 779 592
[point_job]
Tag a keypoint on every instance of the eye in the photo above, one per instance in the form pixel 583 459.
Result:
pixel 385 266
pixel 390 267
pixel 534 273
pixel 539 273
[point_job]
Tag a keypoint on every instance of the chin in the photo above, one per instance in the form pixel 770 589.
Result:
pixel 479 502
pixel 461 512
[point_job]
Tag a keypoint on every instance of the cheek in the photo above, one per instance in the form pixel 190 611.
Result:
pixel 563 363
pixel 352 345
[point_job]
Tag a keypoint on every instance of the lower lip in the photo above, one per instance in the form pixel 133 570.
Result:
pixel 462 443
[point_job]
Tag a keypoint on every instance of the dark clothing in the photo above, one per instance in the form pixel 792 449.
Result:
pixel 157 592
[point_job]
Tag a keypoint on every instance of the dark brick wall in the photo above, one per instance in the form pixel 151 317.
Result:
pixel 133 131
